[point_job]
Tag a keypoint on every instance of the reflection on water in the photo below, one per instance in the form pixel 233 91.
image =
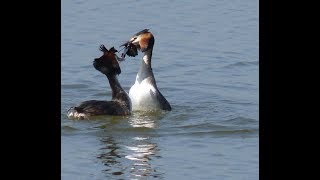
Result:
pixel 132 156
pixel 141 154
pixel 146 119
pixel 110 155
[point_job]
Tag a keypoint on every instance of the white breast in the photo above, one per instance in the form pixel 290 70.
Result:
pixel 143 97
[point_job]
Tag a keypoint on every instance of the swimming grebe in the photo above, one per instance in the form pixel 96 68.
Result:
pixel 144 94
pixel 120 104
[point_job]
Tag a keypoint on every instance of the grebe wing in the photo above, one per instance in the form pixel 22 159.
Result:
pixel 162 100
pixel 98 107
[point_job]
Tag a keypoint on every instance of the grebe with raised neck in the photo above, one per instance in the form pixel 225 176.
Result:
pixel 120 103
pixel 144 94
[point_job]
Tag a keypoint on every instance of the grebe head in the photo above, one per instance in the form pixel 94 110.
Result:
pixel 142 41
pixel 107 64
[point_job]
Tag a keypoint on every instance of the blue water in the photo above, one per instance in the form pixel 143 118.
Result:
pixel 205 61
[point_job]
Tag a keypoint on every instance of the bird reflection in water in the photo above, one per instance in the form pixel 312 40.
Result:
pixel 146 119
pixel 110 156
pixel 141 154
pixel 142 150
pixel 131 154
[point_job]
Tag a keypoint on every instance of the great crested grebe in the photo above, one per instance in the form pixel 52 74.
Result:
pixel 120 103
pixel 144 94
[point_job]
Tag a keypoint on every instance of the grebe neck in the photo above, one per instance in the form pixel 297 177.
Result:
pixel 145 70
pixel 147 57
pixel 117 91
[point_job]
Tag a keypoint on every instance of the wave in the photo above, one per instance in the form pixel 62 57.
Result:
pixel 242 64
pixel 74 86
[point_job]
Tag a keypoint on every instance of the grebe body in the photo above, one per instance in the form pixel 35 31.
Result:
pixel 120 103
pixel 144 94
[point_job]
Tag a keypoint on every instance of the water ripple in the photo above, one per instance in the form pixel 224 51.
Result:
pixel 242 121
pixel 74 86
pixel 240 64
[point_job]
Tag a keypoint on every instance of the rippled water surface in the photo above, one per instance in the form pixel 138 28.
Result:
pixel 205 62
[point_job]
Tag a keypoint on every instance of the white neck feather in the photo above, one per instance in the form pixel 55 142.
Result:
pixel 147 57
pixel 145 70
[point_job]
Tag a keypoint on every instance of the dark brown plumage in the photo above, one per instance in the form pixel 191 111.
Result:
pixel 130 50
pixel 120 103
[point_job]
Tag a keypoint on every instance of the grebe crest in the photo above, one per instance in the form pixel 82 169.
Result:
pixel 144 94
pixel 120 103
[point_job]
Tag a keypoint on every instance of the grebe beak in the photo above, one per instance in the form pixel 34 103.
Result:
pixel 130 41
